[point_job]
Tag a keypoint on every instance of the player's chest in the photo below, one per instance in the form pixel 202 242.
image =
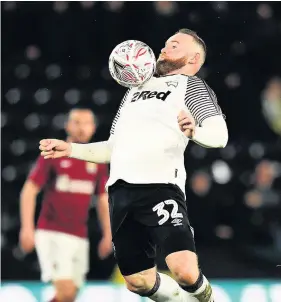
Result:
pixel 74 176
pixel 157 93
pixel 74 168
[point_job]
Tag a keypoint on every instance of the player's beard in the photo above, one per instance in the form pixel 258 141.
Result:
pixel 166 66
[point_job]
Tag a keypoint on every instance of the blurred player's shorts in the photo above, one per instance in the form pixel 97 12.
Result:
pixel 62 256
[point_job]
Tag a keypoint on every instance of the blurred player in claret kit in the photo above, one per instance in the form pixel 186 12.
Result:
pixel 61 238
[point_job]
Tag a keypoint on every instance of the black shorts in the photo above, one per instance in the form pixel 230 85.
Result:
pixel 144 217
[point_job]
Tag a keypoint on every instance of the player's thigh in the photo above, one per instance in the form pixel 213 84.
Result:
pixel 173 239
pixel 119 206
pixel 172 232
pixel 66 290
pixel 65 254
pixel 134 249
pixel 44 248
pixel 184 266
pixel 81 262
pixel 165 213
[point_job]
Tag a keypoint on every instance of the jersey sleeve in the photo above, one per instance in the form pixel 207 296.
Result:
pixel 201 100
pixel 117 116
pixel 40 172
pixel 102 178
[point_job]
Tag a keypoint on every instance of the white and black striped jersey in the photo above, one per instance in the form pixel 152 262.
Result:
pixel 147 144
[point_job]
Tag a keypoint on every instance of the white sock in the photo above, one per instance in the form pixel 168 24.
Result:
pixel 168 291
pixel 202 294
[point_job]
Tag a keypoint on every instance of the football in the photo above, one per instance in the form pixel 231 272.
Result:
pixel 132 63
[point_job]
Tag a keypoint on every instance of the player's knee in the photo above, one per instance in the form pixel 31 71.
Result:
pixel 66 291
pixel 136 283
pixel 142 282
pixel 67 295
pixel 186 276
pixel 184 266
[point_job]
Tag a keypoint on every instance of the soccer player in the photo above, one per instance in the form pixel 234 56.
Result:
pixel 147 175
pixel 60 238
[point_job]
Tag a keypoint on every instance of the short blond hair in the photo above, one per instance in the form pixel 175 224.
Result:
pixel 197 39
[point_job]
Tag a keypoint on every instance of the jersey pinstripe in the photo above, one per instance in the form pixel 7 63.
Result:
pixel 119 112
pixel 200 99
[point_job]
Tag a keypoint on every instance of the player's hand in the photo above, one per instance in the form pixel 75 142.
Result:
pixel 54 148
pixel 186 123
pixel 105 247
pixel 27 241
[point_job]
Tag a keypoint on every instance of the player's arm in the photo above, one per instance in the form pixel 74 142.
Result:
pixel 99 152
pixel 28 196
pixel 103 215
pixel 96 152
pixel 105 245
pixel 212 133
pixel 102 204
pixel 211 129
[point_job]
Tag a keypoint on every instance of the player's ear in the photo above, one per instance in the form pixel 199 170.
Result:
pixel 94 128
pixel 194 58
pixel 66 126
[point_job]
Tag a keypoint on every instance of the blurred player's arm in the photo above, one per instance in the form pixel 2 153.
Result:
pixel 28 197
pixel 105 245
pixel 210 130
pixel 103 215
pixel 31 188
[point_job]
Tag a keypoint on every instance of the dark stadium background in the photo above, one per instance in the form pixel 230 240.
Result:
pixel 55 56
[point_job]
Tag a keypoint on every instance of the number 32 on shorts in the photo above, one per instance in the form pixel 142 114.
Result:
pixel 159 209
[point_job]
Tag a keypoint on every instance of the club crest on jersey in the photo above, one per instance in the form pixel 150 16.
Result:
pixel 91 167
pixel 144 95
pixel 65 164
pixel 172 83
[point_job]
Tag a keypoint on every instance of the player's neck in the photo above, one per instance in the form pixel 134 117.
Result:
pixel 69 139
pixel 182 71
